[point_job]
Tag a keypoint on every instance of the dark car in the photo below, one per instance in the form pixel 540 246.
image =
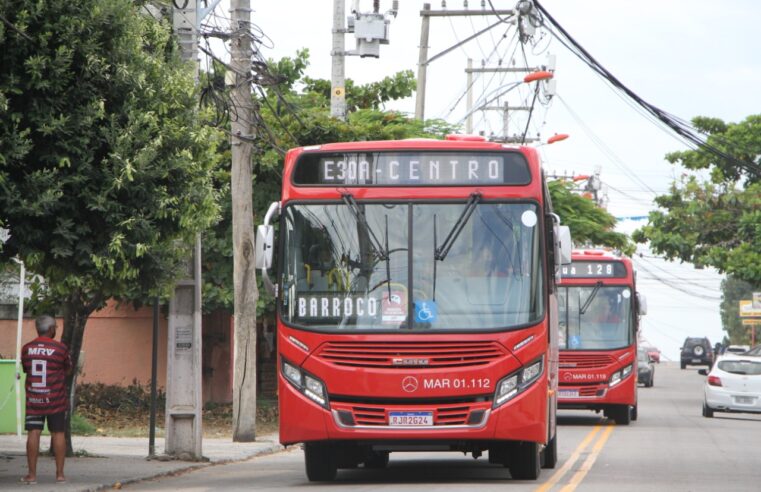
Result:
pixel 645 369
pixel 697 352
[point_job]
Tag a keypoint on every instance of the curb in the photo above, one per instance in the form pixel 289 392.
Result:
pixel 273 448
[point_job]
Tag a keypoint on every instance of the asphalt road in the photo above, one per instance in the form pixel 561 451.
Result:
pixel 671 447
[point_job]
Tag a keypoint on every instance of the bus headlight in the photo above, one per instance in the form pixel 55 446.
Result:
pixel 308 385
pixel 509 387
pixel 618 376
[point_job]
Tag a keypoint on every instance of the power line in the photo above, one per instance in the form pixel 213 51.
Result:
pixel 679 126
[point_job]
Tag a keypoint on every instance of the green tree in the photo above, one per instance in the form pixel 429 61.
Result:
pixel 589 223
pixel 716 220
pixel 733 291
pixel 106 171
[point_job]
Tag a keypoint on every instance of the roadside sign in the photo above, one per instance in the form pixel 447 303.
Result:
pixel 757 301
pixel 748 311
pixel 751 322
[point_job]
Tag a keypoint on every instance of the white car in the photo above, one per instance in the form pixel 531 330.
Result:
pixel 733 385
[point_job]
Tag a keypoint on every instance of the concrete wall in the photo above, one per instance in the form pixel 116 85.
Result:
pixel 116 346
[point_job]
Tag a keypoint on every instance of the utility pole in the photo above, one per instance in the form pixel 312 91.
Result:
pixel 244 273
pixel 338 73
pixel 469 97
pixel 424 61
pixel 184 353
pixel 370 30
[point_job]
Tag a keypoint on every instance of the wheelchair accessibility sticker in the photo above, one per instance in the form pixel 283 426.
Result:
pixel 426 312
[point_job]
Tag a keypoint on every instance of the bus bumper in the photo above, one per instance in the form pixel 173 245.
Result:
pixel 598 397
pixel 522 419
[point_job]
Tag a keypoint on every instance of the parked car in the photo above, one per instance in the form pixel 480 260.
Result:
pixel 645 369
pixel 654 354
pixel 696 351
pixel 737 349
pixel 733 385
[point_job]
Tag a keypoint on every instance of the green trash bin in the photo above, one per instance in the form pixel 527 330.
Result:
pixel 8 397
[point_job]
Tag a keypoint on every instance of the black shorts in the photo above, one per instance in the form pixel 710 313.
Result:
pixel 56 422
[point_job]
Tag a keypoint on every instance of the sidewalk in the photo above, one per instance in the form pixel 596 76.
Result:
pixel 112 460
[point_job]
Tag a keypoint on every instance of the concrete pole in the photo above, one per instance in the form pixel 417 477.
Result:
pixel 338 73
pixel 244 273
pixel 19 328
pixel 505 121
pixel 184 351
pixel 422 63
pixel 469 98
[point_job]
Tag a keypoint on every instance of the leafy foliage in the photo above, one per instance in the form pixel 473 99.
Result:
pixel 714 221
pixel 105 168
pixel 733 291
pixel 589 224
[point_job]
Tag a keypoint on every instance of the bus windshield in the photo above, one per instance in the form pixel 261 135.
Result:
pixel 594 317
pixel 379 266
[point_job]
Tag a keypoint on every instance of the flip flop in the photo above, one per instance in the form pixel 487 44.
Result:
pixel 60 480
pixel 26 481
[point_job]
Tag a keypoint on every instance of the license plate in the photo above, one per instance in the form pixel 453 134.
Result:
pixel 744 400
pixel 696 361
pixel 410 419
pixel 568 393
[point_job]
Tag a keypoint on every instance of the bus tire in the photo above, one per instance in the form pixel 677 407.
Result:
pixel 622 415
pixel 321 463
pixel 377 460
pixel 550 453
pixel 525 463
pixel 634 412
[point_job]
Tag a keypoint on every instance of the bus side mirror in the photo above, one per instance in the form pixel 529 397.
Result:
pixel 641 304
pixel 264 239
pixel 565 245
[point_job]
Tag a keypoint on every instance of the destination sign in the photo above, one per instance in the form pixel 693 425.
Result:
pixel 594 269
pixel 412 169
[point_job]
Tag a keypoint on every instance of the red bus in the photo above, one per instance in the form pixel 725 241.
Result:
pixel 599 309
pixel 416 307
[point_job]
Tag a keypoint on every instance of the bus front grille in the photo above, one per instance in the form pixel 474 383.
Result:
pixel 585 361
pixel 404 355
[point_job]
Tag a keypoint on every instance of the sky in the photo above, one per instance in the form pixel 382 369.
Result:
pixel 688 57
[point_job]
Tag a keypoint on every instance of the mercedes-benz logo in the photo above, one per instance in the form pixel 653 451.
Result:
pixel 409 384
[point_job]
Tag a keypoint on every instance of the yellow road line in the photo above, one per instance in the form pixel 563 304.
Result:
pixel 568 464
pixel 587 465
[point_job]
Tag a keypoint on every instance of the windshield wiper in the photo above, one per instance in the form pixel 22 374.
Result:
pixel 470 207
pixel 583 309
pixel 359 215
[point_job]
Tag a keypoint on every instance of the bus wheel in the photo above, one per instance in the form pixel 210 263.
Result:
pixel 321 463
pixel 622 415
pixel 377 460
pixel 634 412
pixel 550 453
pixel 525 462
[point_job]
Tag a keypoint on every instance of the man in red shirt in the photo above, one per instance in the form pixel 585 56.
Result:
pixel 46 363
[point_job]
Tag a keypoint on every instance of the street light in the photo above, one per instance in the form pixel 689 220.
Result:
pixel 558 137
